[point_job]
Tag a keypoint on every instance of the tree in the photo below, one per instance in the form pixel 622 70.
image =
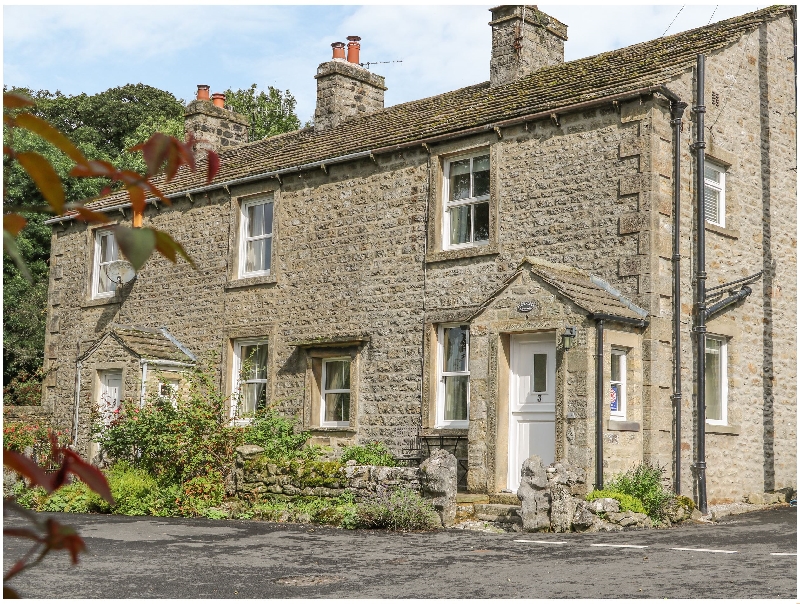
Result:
pixel 270 113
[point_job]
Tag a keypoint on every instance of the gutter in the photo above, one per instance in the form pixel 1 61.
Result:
pixel 495 126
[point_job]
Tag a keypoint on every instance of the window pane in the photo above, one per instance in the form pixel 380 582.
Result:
pixel 712 204
pixel 455 397
pixel 481 221
pixel 253 396
pixel 712 173
pixel 459 179
pixel 255 356
pixel 540 372
pixel 615 404
pixel 258 255
pixel 108 248
pixel 480 176
pixel 337 407
pixel 259 219
pixel 337 375
pixel 104 284
pixel 713 379
pixel 460 224
pixel 455 348
pixel 615 374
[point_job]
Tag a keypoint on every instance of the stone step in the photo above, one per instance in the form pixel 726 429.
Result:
pixel 498 512
pixel 504 498
pixel 472 498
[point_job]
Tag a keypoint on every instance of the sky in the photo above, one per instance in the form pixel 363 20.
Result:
pixel 430 49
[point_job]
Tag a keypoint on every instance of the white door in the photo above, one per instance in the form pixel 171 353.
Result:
pixel 532 404
pixel 108 402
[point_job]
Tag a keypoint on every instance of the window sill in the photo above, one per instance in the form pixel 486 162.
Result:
pixel 616 425
pixel 491 249
pixel 251 281
pixel 718 429
pixel 101 301
pixel 729 233
pixel 437 432
pixel 332 429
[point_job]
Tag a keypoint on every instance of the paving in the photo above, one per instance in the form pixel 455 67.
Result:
pixel 750 555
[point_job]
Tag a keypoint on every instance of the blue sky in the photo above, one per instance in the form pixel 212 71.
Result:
pixel 89 49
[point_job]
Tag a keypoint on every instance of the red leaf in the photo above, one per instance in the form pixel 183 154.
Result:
pixel 21 532
pixel 45 177
pixel 87 215
pixel 60 536
pixel 155 152
pixel 15 100
pixel 29 469
pixel 89 474
pixel 213 166
pixel 13 223
pixel 137 198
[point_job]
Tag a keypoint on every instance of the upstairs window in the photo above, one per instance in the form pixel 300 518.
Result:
pixel 250 377
pixel 335 404
pixel 466 201
pixel 105 252
pixel 715 194
pixel 255 254
pixel 452 405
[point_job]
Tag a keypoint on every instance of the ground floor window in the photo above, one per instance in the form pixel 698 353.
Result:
pixel 335 403
pixel 452 401
pixel 716 380
pixel 618 391
pixel 249 377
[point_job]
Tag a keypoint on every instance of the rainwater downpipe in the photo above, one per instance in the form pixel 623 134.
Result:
pixel 700 308
pixel 677 397
pixel 78 367
pixel 598 409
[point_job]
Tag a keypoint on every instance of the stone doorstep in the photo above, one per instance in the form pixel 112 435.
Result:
pixel 472 498
pixel 497 512
pixel 504 498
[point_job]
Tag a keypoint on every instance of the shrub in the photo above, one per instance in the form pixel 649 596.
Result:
pixel 25 389
pixel 278 436
pixel 370 454
pixel 324 510
pixel 33 438
pixel 643 481
pixel 627 503
pixel 398 510
pixel 200 493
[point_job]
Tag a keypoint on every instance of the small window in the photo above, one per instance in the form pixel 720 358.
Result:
pixel 466 201
pixel 715 194
pixel 452 404
pixel 168 389
pixel 716 380
pixel 249 377
pixel 618 391
pixel 335 403
pixel 255 257
pixel 105 252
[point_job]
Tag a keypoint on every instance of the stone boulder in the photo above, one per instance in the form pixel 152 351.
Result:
pixel 607 505
pixel 565 473
pixel 583 519
pixel 439 483
pixel 533 495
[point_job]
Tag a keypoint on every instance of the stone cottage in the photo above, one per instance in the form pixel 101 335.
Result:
pixel 504 270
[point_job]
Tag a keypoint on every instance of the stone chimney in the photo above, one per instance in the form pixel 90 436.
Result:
pixel 214 127
pixel 344 88
pixel 524 39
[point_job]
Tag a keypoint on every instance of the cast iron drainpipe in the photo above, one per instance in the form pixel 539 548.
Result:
pixel 678 108
pixel 601 318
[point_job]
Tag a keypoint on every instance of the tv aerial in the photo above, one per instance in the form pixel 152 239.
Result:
pixel 120 272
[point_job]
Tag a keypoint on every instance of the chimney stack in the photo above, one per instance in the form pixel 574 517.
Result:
pixel 524 40
pixel 214 127
pixel 344 88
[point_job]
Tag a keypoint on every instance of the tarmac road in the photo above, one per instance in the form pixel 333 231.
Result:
pixel 754 556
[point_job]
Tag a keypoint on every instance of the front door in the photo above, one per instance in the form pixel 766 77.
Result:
pixel 532 404
pixel 108 402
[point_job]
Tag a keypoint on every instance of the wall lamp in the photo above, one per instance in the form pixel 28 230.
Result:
pixel 569 337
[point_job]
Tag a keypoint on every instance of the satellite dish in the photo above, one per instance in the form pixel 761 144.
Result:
pixel 120 272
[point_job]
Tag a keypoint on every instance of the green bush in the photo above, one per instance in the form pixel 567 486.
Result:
pixel 627 503
pixel 687 502
pixel 201 493
pixel 323 510
pixel 398 510
pixel 643 481
pixel 278 436
pixel 370 454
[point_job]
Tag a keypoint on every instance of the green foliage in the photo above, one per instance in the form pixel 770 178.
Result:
pixel 201 493
pixel 686 502
pixel 278 436
pixel 323 510
pixel 370 454
pixel 31 439
pixel 627 503
pixel 398 510
pixel 643 481
pixel 270 113
pixel 24 389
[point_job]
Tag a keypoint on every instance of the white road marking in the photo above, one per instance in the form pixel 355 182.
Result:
pixel 784 554
pixel 618 545
pixel 547 542
pixel 710 551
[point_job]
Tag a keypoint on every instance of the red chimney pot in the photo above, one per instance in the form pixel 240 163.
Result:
pixel 202 92
pixel 353 48
pixel 338 50
pixel 219 99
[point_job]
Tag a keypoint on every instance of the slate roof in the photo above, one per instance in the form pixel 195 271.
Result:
pixel 625 70
pixel 148 343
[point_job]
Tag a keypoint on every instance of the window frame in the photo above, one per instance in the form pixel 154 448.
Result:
pixel 469 201
pixel 244 239
pixel 723 377
pixel 441 422
pixel 323 391
pixel 97 265
pixel 236 368
pixel 719 187
pixel 622 394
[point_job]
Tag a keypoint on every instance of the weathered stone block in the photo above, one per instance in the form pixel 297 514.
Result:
pixel 439 482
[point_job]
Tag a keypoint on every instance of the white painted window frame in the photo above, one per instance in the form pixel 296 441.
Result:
pixel 622 407
pixel 236 369
pixel 723 376
pixel 244 239
pixel 440 379
pixel 323 391
pixel 719 187
pixel 97 265
pixel 173 387
pixel 470 201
